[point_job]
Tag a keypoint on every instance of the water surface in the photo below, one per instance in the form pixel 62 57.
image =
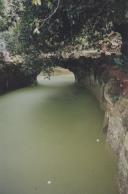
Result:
pixel 51 141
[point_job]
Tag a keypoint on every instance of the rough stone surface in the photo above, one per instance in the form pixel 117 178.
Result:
pixel 16 74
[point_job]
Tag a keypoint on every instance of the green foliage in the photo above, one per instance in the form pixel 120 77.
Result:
pixel 1 8
pixel 36 2
pixel 78 24
pixel 82 23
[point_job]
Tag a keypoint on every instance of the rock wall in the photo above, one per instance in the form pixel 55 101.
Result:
pixel 115 125
pixel 15 74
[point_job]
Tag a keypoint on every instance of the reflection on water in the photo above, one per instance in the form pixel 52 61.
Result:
pixel 51 141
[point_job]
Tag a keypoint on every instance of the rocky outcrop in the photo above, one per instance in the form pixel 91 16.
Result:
pixel 16 73
pixel 112 95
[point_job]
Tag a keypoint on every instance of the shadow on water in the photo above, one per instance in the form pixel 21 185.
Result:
pixel 51 141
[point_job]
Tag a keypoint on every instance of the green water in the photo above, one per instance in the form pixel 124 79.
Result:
pixel 51 141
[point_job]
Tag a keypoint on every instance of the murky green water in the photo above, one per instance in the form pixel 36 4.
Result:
pixel 51 142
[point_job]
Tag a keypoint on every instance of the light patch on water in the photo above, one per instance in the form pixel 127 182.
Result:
pixel 97 140
pixel 49 182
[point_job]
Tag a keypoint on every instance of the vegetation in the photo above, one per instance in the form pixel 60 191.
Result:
pixel 49 25
pixel 61 28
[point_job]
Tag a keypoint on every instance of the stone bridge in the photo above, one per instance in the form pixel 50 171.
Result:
pixel 20 71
